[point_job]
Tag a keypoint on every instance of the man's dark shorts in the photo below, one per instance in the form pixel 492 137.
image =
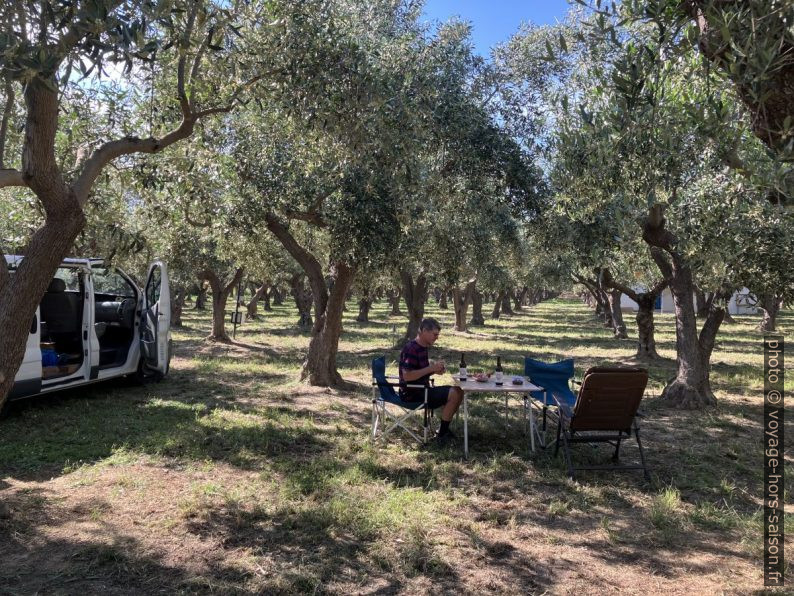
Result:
pixel 436 396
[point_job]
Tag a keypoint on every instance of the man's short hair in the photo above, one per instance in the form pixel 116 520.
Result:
pixel 429 325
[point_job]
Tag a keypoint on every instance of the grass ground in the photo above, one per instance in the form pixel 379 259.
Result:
pixel 231 477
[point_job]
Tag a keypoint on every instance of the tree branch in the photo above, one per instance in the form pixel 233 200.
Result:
pixel 610 282
pixel 306 260
pixel 113 149
pixel 9 91
pixel 659 287
pixel 662 262
pixel 11 177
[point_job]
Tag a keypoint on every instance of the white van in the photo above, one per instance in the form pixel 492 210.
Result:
pixel 95 323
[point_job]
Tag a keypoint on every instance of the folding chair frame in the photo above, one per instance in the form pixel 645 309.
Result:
pixel 567 436
pixel 387 421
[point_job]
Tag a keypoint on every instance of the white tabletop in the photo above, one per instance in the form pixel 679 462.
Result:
pixel 507 387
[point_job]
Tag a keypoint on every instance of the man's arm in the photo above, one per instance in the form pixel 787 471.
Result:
pixel 413 375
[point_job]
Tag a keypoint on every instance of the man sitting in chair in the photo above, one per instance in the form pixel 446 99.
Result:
pixel 415 369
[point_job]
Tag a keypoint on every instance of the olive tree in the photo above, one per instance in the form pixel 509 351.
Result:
pixel 53 54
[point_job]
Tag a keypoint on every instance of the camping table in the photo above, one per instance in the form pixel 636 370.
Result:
pixel 472 386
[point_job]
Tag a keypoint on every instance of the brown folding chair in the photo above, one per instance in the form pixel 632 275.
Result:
pixel 605 412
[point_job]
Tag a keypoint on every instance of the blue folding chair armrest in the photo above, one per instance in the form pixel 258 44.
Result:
pixel 561 400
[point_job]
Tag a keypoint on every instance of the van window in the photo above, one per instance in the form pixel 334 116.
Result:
pixel 153 287
pixel 109 281
pixel 70 276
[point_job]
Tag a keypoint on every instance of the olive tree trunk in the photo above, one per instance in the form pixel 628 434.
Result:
pixel 364 304
pixel 476 309
pixel 497 307
pixel 770 307
pixel 220 295
pixel 646 342
pixel 277 296
pixel 394 295
pixel 415 294
pixel 319 368
pixel 303 300
pixel 506 308
pixel 251 308
pixel 201 297
pixel 519 296
pixel 442 302
pixel 691 387
pixel 177 306
pixel 618 325
pixel 460 302
pixel 320 365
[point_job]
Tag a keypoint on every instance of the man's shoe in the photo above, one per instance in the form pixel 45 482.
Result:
pixel 445 439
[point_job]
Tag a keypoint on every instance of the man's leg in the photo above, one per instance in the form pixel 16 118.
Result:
pixel 454 398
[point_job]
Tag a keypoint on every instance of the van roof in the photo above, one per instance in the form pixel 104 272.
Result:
pixel 15 260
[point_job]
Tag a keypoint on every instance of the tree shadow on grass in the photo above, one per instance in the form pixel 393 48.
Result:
pixel 39 556
pixel 155 420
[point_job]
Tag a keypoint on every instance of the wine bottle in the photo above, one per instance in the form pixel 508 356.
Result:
pixel 463 374
pixel 497 377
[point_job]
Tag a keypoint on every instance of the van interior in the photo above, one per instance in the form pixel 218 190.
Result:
pixel 115 300
pixel 61 311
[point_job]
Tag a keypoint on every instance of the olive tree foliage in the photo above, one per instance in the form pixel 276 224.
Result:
pixel 359 163
pixel 646 142
pixel 749 43
pixel 56 57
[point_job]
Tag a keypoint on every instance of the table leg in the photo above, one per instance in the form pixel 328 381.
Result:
pixel 507 424
pixel 532 428
pixel 465 426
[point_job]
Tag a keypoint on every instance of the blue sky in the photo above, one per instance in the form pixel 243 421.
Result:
pixel 496 20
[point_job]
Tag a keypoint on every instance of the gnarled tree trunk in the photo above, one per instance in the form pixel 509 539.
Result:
pixel 277 296
pixel 251 307
pixel 519 296
pixel 220 295
pixel 394 295
pixel 476 309
pixel 364 304
pixel 618 325
pixel 460 301
pixel 320 366
pixel 442 301
pixel 303 300
pixel 691 387
pixel 770 307
pixel 497 307
pixel 201 297
pixel 506 308
pixel 21 291
pixel 177 306
pixel 415 294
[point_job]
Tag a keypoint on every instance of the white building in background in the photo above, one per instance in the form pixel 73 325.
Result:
pixel 741 303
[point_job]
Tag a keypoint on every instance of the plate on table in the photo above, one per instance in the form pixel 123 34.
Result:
pixel 482 378
pixel 518 380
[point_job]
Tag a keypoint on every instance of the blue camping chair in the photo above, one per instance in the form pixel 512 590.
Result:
pixel 555 379
pixel 384 419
